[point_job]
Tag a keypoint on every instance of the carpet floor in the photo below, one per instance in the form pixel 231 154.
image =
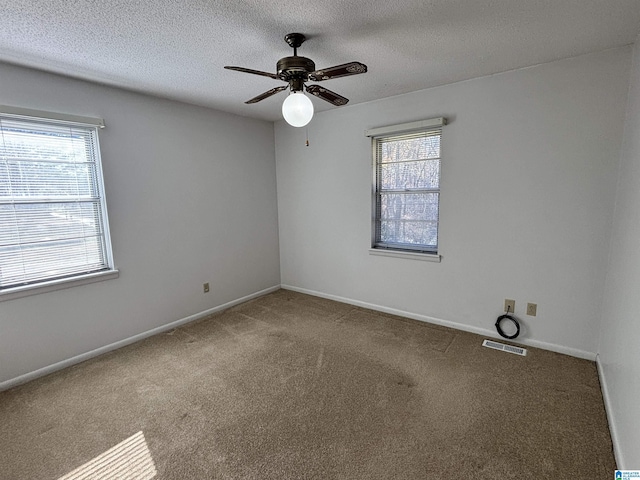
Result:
pixel 290 386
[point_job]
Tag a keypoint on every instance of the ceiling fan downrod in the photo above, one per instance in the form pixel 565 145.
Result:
pixel 294 40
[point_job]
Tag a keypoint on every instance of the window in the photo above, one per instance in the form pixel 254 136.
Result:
pixel 53 219
pixel 407 186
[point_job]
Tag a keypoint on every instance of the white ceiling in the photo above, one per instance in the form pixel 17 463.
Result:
pixel 177 48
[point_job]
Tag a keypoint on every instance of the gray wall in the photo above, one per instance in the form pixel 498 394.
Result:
pixel 529 173
pixel 620 338
pixel 191 196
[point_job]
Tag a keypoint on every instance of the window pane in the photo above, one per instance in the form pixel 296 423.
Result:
pixel 24 140
pixel 419 148
pixel 56 259
pixel 34 223
pixel 47 179
pixel 409 233
pixel 408 175
pixel 409 206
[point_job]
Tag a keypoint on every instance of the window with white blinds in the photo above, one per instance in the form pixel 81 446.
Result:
pixel 53 221
pixel 407 186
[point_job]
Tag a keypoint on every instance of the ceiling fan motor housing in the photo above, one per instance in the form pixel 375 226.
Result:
pixel 295 68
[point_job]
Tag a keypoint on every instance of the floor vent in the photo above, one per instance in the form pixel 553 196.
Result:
pixel 504 347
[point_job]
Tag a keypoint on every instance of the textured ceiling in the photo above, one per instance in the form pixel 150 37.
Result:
pixel 177 48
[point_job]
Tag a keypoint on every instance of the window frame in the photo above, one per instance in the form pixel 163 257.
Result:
pixel 420 251
pixel 60 282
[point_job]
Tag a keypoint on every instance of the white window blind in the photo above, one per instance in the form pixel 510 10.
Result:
pixel 53 221
pixel 407 187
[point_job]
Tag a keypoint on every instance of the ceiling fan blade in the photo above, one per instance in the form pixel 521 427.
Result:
pixel 267 94
pixel 327 95
pixel 255 72
pixel 352 68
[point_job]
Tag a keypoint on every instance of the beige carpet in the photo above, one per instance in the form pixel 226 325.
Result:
pixel 290 386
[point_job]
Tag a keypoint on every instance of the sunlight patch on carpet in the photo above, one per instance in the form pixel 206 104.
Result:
pixel 128 460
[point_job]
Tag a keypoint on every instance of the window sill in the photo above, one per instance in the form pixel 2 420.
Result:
pixel 52 285
pixel 425 257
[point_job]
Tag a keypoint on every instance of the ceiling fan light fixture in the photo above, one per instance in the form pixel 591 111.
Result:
pixel 297 109
pixel 296 71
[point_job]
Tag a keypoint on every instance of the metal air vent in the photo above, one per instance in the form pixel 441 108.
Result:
pixel 505 348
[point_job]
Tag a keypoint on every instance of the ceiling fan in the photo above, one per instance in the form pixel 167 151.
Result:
pixel 297 109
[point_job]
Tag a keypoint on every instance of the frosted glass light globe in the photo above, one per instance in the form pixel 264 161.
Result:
pixel 297 109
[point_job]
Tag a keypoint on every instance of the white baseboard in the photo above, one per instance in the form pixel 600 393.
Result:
pixel 574 352
pixel 608 407
pixel 127 341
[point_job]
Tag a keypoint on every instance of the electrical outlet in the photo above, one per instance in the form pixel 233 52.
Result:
pixel 532 309
pixel 509 305
pixel 205 287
